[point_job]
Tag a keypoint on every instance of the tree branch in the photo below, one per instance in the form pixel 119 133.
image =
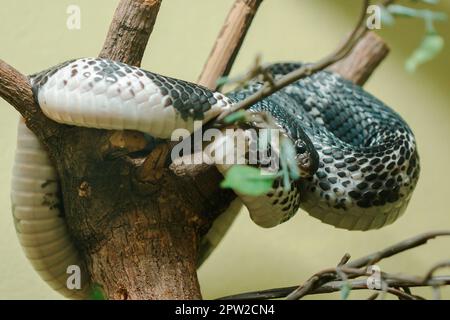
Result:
pixel 333 279
pixel 130 30
pixel 365 57
pixel 397 248
pixel 228 42
pixel 15 88
pixel 305 70
pixel 333 286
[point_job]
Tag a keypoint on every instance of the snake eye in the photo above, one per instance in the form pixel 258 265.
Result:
pixel 300 148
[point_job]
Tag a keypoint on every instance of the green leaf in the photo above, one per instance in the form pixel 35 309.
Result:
pixel 248 180
pixel 386 17
pixel 427 1
pixel 235 117
pixel 430 47
pixel 96 292
pixel 403 11
pixel 408 12
pixel 345 290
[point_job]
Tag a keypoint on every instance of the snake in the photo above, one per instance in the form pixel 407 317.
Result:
pixel 357 157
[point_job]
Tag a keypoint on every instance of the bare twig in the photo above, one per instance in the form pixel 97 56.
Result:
pixel 306 70
pixel 440 265
pixel 344 259
pixel 228 42
pixel 333 279
pixel 329 287
pixel 397 248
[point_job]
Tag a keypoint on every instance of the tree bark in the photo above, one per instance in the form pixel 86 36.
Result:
pixel 359 65
pixel 228 42
pixel 130 30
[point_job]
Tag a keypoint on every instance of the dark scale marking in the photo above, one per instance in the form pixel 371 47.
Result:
pixel 340 165
pixel 324 185
pixel 362 161
pixel 377 185
pixel 332 180
pixel 390 183
pixel 321 174
pixel 342 174
pixel 168 102
pixel 354 194
pixel 362 185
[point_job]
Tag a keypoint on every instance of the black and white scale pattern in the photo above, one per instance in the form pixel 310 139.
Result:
pixel 362 157
pixel 368 163
pixel 106 94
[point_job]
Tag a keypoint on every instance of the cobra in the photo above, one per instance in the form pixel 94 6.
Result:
pixel 357 157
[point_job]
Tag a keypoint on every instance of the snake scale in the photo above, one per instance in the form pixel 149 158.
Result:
pixel 358 158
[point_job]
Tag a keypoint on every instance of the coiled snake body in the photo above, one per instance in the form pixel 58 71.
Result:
pixel 362 159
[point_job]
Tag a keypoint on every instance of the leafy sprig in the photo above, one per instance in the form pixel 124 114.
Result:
pixel 431 44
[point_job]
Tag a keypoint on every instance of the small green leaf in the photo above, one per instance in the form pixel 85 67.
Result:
pixel 427 1
pixel 235 117
pixel 402 11
pixel 248 180
pixel 386 17
pixel 430 47
pixel 345 290
pixel 96 292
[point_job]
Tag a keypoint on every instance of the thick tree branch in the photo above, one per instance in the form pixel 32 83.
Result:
pixel 15 88
pixel 365 57
pixel 130 30
pixel 228 42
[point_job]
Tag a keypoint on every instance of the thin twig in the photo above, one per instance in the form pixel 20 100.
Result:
pixel 329 287
pixel 306 70
pixel 440 265
pixel 397 248
pixel 333 279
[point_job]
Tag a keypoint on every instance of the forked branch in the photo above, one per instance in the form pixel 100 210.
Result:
pixel 343 277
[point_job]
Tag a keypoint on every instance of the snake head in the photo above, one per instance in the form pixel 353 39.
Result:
pixel 307 156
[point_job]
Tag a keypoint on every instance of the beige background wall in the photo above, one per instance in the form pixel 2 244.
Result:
pixel 34 36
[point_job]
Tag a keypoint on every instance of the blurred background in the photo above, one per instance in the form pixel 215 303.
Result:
pixel 34 36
